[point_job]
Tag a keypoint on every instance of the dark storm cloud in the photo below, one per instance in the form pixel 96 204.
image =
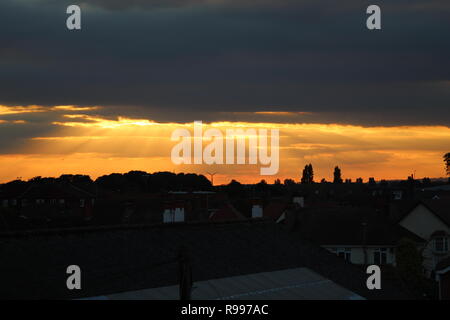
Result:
pixel 152 4
pixel 187 60
pixel 29 122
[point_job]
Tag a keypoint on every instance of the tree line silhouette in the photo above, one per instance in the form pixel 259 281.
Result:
pixel 141 181
pixel 133 181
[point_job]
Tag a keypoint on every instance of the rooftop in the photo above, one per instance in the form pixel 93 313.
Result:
pixel 288 284
pixel 131 258
pixel 350 226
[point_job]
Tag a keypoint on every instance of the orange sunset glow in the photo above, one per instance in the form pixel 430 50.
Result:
pixel 88 143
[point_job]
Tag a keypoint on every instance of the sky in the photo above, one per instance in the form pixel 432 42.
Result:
pixel 107 98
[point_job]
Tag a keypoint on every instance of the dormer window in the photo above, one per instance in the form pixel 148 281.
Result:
pixel 441 244
pixel 380 256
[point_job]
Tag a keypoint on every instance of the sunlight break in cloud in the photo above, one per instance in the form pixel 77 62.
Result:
pixel 95 145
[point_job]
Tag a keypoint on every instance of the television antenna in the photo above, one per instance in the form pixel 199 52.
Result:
pixel 211 175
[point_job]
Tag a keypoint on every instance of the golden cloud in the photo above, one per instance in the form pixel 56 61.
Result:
pixel 95 145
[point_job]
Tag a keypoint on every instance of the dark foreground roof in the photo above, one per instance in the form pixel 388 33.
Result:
pixel 123 259
pixel 350 226
pixel 441 207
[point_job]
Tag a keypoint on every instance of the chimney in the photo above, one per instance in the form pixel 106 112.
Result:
pixel 179 212
pixel 257 209
pixel 167 214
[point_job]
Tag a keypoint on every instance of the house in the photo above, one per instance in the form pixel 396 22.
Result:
pixel 360 235
pixel 10 192
pixel 56 201
pixel 164 207
pixel 181 206
pixel 46 203
pixel 430 220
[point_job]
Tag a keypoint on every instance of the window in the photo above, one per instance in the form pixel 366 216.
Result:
pixel 82 203
pixel 345 253
pixel 380 256
pixel 441 244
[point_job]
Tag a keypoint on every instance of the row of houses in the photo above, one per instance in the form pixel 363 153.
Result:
pixel 362 235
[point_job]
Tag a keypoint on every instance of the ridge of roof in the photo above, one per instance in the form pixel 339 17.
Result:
pixel 443 216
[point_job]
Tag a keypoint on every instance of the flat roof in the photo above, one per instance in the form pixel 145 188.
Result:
pixel 288 284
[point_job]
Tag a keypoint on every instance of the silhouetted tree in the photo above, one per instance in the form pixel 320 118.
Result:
pixel 75 178
pixel 308 174
pixel 261 186
pixel 426 181
pixel 359 180
pixel 409 259
pixel 289 182
pixel 113 181
pixel 409 266
pixel 234 189
pixel 372 181
pixel 159 181
pixel 447 163
pixel 234 183
pixel 337 175
pixel 277 189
